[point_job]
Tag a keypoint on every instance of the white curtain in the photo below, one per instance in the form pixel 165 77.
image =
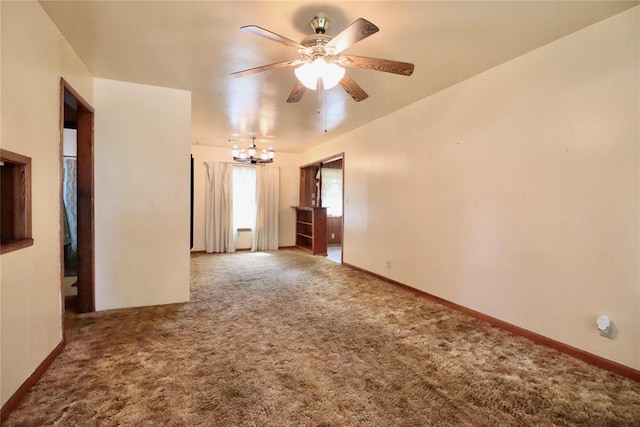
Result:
pixel 69 196
pixel 219 231
pixel 265 236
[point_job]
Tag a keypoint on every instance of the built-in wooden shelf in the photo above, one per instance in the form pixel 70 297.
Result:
pixel 311 229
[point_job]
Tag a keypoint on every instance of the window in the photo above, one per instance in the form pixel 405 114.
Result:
pixel 15 202
pixel 332 191
pixel 244 197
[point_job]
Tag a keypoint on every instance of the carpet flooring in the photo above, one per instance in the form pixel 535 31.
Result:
pixel 287 339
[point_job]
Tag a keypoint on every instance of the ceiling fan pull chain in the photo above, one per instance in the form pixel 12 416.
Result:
pixel 325 112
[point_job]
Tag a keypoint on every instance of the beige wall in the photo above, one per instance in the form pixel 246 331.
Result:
pixel 142 186
pixel 524 204
pixel 34 57
pixel 289 180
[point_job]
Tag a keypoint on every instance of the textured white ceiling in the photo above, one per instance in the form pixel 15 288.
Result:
pixel 195 45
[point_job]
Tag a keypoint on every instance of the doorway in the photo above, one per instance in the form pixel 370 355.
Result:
pixel 77 194
pixel 70 207
pixel 332 190
pixel 322 186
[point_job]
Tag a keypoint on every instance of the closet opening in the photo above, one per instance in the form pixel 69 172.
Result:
pixel 77 194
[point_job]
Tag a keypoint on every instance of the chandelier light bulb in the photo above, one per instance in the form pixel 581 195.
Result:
pixel 252 154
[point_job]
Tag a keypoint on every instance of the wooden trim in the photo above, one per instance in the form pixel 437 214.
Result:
pixel 302 184
pixel 14 157
pixel 86 210
pixel 14 246
pixel 191 199
pixel 22 391
pixel 343 207
pixel 16 201
pixel 61 125
pixel 334 157
pixel 79 103
pixel 585 356
pixel 86 192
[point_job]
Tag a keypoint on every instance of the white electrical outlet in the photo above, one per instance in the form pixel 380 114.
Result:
pixel 604 326
pixel 388 263
pixel 333 235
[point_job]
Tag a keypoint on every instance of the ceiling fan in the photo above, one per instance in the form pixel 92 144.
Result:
pixel 321 59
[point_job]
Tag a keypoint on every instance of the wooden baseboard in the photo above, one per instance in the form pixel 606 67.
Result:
pixel 585 356
pixel 15 399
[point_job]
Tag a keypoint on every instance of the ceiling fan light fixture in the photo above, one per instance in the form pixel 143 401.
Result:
pixel 307 75
pixel 329 72
pixel 333 73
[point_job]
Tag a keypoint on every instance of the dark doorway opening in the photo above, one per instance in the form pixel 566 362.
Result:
pixel 77 115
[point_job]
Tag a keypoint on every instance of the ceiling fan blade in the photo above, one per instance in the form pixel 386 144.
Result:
pixel 296 93
pixel 259 31
pixel 360 29
pixel 262 68
pixel 386 65
pixel 353 88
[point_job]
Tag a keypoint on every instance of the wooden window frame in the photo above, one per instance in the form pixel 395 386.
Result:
pixel 16 202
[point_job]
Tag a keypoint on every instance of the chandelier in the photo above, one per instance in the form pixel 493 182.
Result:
pixel 252 154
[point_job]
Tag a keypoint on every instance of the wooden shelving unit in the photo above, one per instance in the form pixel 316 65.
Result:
pixel 311 229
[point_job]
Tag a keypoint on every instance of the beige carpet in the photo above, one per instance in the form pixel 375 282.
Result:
pixel 287 339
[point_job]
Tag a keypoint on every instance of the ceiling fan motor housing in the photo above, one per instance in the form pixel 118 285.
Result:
pixel 319 24
pixel 316 46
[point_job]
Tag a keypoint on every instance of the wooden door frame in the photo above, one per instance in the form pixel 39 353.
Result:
pixel 85 187
pixel 320 163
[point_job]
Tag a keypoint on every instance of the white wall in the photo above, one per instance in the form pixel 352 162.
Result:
pixel 34 57
pixel 524 204
pixel 289 165
pixel 69 142
pixel 142 187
